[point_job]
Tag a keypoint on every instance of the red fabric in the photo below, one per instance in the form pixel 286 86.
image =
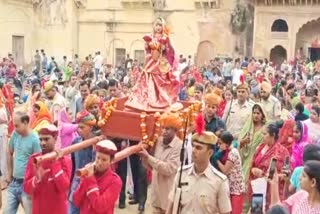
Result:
pixel 149 175
pixel 12 71
pixel 262 162
pixel 237 203
pixel 101 200
pixel 9 95
pixel 225 156
pixel 286 135
pixel 52 191
pixel 260 79
pixel 156 88
pixel 221 108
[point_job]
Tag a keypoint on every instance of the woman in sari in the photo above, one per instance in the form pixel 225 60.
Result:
pixel 67 130
pixel 268 150
pixel 42 115
pixel 250 138
pixel 156 88
pixel 8 94
pixel 286 135
pixel 301 139
pixel 32 99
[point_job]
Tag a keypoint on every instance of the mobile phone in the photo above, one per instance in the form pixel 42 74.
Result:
pixel 257 204
pixel 272 169
pixel 287 166
pixel 287 163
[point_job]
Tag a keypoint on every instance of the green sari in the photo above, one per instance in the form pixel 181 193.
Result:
pixel 248 151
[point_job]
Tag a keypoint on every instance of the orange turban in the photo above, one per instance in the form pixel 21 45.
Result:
pixel 217 91
pixel 91 100
pixel 212 99
pixel 171 120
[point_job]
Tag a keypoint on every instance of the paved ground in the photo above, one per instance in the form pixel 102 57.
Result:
pixel 130 209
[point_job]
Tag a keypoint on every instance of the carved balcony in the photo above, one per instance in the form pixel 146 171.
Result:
pixel 207 4
pixel 286 2
pixel 137 3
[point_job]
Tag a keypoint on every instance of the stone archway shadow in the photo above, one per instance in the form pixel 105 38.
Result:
pixel 306 36
pixel 205 53
pixel 278 54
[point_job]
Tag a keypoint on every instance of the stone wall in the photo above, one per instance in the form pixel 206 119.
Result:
pixel 296 17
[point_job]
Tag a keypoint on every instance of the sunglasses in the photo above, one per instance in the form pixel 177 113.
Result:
pixel 44 139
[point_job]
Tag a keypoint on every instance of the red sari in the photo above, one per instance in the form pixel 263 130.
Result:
pixel 263 162
pixel 9 96
pixel 156 87
pixel 286 135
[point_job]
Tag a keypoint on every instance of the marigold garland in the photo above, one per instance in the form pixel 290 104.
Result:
pixel 188 115
pixel 106 111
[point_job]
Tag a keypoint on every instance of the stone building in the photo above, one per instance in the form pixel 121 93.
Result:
pixel 201 28
pixel 283 28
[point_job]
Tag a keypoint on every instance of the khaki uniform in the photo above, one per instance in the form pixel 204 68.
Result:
pixel 236 116
pixel 206 193
pixel 272 107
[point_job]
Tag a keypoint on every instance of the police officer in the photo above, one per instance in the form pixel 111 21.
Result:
pixel 270 104
pixel 204 190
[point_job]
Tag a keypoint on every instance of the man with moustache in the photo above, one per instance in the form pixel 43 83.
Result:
pixel 164 162
pixel 270 104
pixel 203 188
pixel 238 111
pixel 48 183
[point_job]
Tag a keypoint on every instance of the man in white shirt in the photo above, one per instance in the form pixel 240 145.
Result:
pixel 72 94
pixel 236 73
pixel 98 61
pixel 55 101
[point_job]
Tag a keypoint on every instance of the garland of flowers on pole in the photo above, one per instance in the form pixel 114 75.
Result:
pixel 187 114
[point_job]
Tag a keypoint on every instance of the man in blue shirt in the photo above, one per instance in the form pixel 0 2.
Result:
pixel 81 158
pixel 23 143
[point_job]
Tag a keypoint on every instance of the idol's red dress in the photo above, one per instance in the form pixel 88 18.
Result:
pixel 156 87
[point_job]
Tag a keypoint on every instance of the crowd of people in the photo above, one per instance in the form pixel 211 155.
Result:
pixel 253 112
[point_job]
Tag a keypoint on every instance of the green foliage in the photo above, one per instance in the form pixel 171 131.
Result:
pixel 239 18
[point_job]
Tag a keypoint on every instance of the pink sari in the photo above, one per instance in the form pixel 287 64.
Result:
pixel 67 130
pixel 298 147
pixel 262 161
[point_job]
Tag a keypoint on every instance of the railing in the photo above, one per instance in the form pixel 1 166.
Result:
pixel 287 2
